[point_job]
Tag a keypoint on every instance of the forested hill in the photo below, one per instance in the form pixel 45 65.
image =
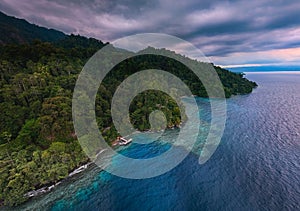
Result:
pixel 14 30
pixel 38 145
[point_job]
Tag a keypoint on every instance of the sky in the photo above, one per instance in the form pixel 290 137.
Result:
pixel 241 35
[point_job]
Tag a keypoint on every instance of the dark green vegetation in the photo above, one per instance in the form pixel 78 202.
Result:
pixel 14 30
pixel 37 141
pixel 38 145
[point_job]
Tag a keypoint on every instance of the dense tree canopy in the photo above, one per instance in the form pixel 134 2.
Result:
pixel 38 144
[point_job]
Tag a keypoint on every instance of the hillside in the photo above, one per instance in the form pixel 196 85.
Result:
pixel 14 30
pixel 38 145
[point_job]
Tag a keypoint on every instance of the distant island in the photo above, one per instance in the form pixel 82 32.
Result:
pixel 38 72
pixel 265 69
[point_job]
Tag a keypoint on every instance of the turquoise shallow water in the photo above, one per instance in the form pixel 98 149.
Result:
pixel 256 166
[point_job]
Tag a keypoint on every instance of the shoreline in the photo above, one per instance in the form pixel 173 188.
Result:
pixel 48 188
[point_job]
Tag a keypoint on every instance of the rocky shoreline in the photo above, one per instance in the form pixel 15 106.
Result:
pixel 47 189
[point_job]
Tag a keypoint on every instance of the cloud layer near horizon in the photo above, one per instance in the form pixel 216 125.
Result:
pixel 229 32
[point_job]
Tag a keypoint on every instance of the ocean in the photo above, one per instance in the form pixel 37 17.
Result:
pixel 255 167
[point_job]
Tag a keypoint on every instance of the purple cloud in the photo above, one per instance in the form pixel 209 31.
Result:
pixel 218 28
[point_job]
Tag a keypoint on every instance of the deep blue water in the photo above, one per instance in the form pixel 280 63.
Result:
pixel 256 166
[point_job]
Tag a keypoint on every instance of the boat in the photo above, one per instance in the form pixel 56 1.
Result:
pixel 123 141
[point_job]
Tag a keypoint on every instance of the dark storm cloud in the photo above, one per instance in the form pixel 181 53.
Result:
pixel 219 28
